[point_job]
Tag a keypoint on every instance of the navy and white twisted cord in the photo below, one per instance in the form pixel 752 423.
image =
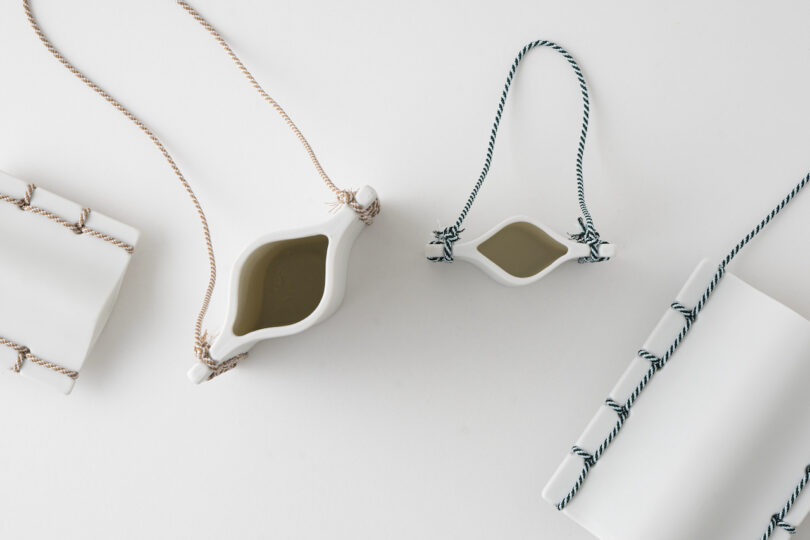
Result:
pixel 589 235
pixel 658 362
pixel 778 519
pixel 447 237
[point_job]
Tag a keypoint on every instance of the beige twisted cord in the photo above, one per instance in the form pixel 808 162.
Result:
pixel 24 353
pixel 78 227
pixel 200 342
pixel 366 214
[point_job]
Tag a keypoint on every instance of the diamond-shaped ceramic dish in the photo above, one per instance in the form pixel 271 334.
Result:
pixel 519 251
pixel 285 282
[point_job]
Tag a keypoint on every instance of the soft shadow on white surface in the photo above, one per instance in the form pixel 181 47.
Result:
pixel 435 403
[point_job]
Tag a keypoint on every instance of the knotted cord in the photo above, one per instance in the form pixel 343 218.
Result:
pixel 78 227
pixel 24 353
pixel 344 196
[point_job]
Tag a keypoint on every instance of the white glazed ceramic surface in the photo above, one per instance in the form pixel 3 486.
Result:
pixel 469 252
pixel 58 288
pixel 341 231
pixel 720 437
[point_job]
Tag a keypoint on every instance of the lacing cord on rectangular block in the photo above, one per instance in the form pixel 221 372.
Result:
pixel 657 363
pixel 78 227
pixel 24 353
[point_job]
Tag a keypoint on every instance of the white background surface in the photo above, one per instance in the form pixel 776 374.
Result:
pixel 435 403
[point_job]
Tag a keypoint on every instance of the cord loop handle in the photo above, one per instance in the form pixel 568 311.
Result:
pixel 449 235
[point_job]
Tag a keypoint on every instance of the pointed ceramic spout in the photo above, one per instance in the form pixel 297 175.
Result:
pixel 286 282
pixel 519 251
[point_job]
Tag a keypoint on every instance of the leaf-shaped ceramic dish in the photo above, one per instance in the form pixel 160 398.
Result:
pixel 287 281
pixel 519 251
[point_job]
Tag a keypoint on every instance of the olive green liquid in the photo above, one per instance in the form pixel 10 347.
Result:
pixel 282 283
pixel 521 249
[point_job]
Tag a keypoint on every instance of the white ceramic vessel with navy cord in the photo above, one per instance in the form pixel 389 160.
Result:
pixel 521 250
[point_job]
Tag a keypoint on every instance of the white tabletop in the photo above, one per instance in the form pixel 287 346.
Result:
pixel 436 403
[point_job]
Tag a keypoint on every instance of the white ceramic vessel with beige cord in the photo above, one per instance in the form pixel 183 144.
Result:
pixel 57 287
pixel 286 282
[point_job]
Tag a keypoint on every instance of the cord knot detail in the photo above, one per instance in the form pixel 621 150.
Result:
pixel 621 410
pixel 202 350
pixel 25 202
pixel 655 362
pixel 78 227
pixel 777 521
pixel 689 314
pixel 588 235
pixel 446 237
pixel 346 196
pixel 22 354
pixel 366 214
pixel 586 456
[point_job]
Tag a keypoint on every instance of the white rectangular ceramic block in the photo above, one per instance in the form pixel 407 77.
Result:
pixel 57 284
pixel 718 440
